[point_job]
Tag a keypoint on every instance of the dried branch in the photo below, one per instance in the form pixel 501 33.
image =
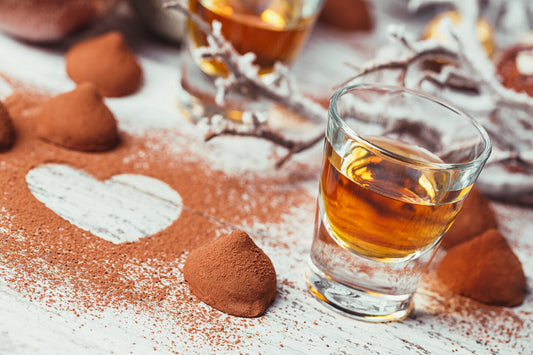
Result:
pixel 221 127
pixel 467 69
pixel 243 75
pixel 433 52
pixel 468 78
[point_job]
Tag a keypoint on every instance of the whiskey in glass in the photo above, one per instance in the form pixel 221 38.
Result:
pixel 397 167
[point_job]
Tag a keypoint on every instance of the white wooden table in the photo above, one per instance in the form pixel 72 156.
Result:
pixel 296 322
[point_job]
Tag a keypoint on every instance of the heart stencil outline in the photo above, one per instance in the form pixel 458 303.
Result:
pixel 123 208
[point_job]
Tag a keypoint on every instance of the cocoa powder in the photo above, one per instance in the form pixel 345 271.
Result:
pixel 43 256
pixel 107 62
pixel 55 263
pixel 78 119
pixel 232 274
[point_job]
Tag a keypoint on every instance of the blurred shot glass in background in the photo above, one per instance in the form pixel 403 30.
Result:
pixel 397 167
pixel 273 30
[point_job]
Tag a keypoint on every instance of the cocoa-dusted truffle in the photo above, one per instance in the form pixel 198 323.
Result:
pixel 79 120
pixel 475 217
pixel 107 62
pixel 515 68
pixel 7 132
pixel 348 14
pixel 486 270
pixel 232 275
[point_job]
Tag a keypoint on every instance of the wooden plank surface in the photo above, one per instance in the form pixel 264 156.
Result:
pixel 296 323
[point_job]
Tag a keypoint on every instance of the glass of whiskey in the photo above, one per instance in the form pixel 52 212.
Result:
pixel 397 167
pixel 273 30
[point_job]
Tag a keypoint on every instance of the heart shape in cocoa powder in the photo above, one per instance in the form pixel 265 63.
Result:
pixel 121 209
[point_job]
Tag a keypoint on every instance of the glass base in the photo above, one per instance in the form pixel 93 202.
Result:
pixel 357 303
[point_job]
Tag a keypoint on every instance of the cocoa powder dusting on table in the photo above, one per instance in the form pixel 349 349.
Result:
pixel 48 259
pixel 484 324
pixel 52 262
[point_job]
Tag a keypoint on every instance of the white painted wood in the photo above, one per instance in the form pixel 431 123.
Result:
pixel 296 322
pixel 121 209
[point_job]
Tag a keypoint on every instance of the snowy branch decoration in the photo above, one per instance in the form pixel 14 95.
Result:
pixel 243 76
pixel 221 126
pixel 467 78
pixel 470 70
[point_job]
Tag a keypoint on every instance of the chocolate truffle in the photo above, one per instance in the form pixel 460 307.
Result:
pixel 232 275
pixel 515 68
pixel 7 132
pixel 347 14
pixel 79 120
pixel 486 270
pixel 107 62
pixel 475 217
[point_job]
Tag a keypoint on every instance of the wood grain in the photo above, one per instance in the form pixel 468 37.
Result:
pixel 121 209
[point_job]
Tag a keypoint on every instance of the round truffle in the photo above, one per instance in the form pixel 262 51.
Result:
pixel 79 120
pixel 107 62
pixel 232 275
pixel 351 15
pixel 515 68
pixel 486 270
pixel 7 132
pixel 475 217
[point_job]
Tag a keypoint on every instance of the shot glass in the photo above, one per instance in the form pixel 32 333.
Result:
pixel 397 167
pixel 274 30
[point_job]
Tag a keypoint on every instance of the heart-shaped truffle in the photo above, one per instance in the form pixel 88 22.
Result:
pixel 232 275
pixel 78 119
pixel 7 132
pixel 485 269
pixel 475 217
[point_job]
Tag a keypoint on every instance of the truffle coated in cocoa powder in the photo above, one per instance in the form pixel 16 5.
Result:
pixel 232 275
pixel 78 119
pixel 475 217
pixel 348 14
pixel 486 270
pixel 509 73
pixel 7 131
pixel 107 62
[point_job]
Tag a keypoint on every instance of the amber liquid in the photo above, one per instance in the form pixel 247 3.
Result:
pixel 272 29
pixel 385 210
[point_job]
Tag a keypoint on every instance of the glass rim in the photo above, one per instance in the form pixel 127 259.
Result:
pixel 479 160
